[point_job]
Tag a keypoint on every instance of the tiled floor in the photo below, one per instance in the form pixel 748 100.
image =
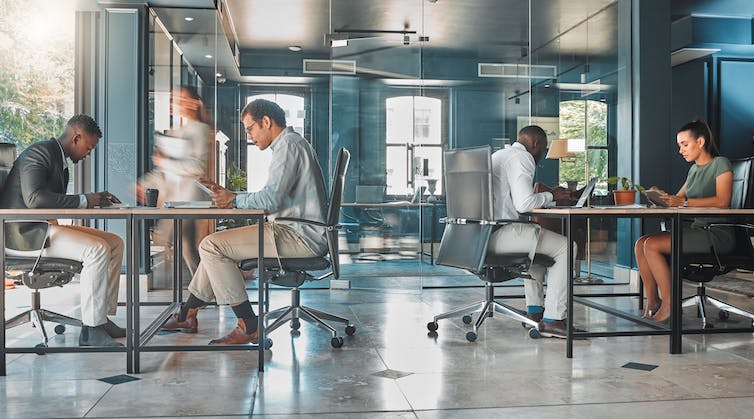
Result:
pixel 391 368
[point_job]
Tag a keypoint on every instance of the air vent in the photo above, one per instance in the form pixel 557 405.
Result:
pixel 329 67
pixel 517 70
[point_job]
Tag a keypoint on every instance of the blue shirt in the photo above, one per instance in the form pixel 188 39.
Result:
pixel 295 188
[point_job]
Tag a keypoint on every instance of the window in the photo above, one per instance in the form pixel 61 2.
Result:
pixel 414 143
pixel 587 120
pixel 258 161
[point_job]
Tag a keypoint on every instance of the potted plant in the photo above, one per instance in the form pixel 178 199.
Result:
pixel 626 195
pixel 236 179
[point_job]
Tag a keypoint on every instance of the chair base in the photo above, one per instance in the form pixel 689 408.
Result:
pixel 486 308
pixel 37 317
pixel 701 298
pixel 297 312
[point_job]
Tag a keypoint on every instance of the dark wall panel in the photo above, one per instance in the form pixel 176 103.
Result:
pixel 736 108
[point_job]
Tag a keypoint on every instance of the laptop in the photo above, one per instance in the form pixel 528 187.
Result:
pixel 588 189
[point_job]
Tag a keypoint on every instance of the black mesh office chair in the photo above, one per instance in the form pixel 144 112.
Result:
pixel 702 268
pixel 293 272
pixel 469 225
pixel 36 272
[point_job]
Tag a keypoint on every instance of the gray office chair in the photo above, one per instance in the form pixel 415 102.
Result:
pixel 703 268
pixel 37 272
pixel 469 225
pixel 293 272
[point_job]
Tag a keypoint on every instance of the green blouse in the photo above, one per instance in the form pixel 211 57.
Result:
pixel 701 181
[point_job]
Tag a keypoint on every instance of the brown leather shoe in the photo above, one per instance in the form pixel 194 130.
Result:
pixel 535 317
pixel 553 329
pixel 237 336
pixel 190 325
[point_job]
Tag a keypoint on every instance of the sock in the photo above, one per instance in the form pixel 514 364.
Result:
pixel 246 313
pixel 535 309
pixel 548 320
pixel 191 302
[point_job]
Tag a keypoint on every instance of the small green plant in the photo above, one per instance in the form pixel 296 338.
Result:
pixel 236 178
pixel 625 183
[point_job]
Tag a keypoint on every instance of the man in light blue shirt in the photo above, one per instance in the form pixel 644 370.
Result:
pixel 295 188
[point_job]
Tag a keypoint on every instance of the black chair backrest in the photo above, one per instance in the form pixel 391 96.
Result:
pixel 7 158
pixel 468 195
pixel 742 185
pixel 333 209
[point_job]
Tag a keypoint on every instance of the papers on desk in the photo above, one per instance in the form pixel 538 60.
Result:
pixel 120 205
pixel 188 204
pixel 618 206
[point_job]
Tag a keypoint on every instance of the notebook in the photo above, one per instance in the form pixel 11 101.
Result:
pixel 588 189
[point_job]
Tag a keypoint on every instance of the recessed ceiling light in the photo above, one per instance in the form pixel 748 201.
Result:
pixel 295 48
pixel 219 74
pixel 208 56
pixel 188 19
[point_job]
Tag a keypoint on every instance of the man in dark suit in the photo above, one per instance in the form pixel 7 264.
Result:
pixel 39 179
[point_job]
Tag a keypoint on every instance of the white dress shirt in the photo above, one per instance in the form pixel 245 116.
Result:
pixel 513 183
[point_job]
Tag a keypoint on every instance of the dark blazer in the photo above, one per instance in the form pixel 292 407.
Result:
pixel 37 180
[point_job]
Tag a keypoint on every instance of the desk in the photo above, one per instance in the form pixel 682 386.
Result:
pixel 405 204
pixel 82 214
pixel 142 338
pixel 135 339
pixel 675 216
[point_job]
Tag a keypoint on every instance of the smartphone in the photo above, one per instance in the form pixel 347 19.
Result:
pixel 203 186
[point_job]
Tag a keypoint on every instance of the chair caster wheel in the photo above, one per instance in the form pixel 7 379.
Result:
pixel 295 324
pixel 470 336
pixel 723 315
pixel 709 326
pixel 60 329
pixel 267 343
pixel 40 348
pixel 432 326
pixel 466 319
pixel 534 333
pixel 350 330
pixel 336 342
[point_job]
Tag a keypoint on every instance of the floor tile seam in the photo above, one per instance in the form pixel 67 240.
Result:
pixel 625 402
pixel 315 414
pixel 99 399
pixel 257 380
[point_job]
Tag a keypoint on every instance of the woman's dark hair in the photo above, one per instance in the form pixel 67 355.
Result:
pixel 193 93
pixel 699 128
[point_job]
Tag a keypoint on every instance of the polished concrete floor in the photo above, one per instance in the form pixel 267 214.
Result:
pixel 390 368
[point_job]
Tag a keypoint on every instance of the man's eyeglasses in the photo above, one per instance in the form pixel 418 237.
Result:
pixel 248 129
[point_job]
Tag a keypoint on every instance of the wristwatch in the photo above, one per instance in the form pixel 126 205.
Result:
pixel 685 202
pixel 233 204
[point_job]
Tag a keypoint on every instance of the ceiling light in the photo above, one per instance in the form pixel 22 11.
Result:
pixel 219 74
pixel 188 19
pixel 295 48
pixel 208 56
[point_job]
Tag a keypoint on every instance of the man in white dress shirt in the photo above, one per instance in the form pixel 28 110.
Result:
pixel 513 194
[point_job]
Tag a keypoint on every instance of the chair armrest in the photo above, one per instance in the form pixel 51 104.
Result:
pixel 312 222
pixel 451 220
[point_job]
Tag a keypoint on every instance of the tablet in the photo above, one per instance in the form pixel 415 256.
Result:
pixel 203 187
pixel 655 197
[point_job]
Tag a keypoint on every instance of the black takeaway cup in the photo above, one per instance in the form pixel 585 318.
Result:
pixel 151 195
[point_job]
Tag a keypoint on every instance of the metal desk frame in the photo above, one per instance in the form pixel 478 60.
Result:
pixel 76 214
pixel 675 216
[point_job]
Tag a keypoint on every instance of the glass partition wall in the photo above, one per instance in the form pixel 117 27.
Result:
pixel 397 83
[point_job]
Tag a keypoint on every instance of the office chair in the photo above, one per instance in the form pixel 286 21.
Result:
pixel 293 272
pixel 34 271
pixel 469 225
pixel 702 268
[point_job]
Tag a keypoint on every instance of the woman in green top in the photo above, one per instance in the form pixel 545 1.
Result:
pixel 709 183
